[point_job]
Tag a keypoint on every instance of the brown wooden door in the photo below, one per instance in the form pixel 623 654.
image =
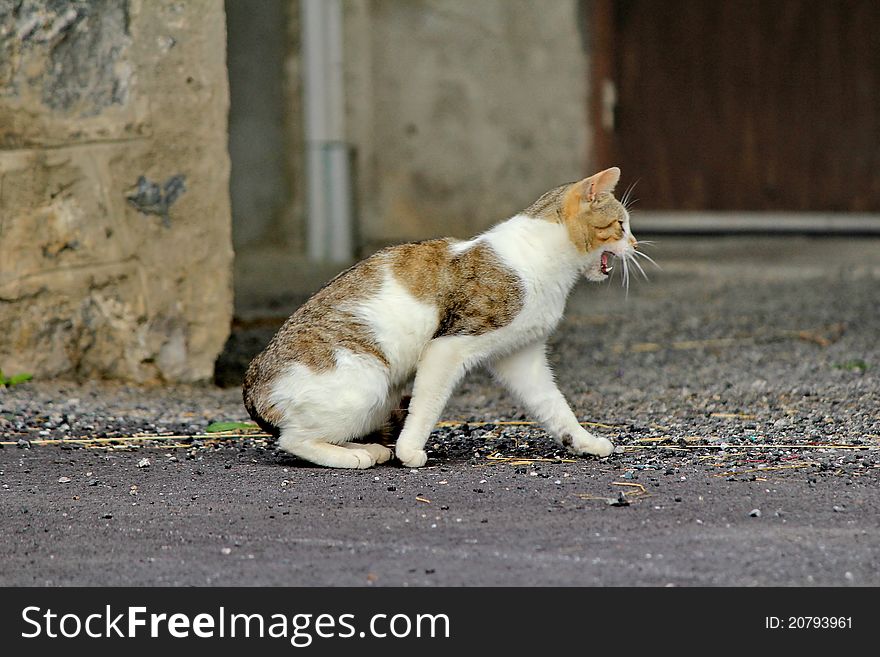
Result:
pixel 750 105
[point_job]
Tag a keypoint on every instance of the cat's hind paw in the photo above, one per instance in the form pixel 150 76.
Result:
pixel 362 460
pixel 380 453
pixel 411 458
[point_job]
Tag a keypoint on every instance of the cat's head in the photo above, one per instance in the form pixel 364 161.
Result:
pixel 597 223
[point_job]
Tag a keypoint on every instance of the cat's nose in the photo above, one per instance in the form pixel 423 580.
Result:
pixel 632 241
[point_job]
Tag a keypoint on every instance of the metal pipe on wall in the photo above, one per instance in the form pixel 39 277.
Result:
pixel 328 177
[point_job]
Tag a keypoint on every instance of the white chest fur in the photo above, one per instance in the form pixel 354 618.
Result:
pixel 541 253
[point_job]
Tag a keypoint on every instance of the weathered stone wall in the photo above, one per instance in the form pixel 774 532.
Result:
pixel 462 112
pixel 115 247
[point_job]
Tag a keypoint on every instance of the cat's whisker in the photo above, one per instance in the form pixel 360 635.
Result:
pixel 627 194
pixel 648 258
pixel 636 263
pixel 627 200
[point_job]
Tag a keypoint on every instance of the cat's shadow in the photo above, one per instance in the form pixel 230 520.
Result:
pixel 283 459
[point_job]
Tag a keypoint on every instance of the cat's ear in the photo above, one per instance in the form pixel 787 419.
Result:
pixel 598 183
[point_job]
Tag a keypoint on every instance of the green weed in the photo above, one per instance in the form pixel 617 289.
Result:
pixel 15 379
pixel 852 365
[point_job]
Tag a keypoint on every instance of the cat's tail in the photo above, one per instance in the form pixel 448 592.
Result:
pixel 262 422
pixel 252 394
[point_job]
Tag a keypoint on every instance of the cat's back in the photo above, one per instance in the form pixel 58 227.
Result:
pixel 399 297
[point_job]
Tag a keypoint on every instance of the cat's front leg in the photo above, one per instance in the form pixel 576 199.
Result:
pixel 528 376
pixel 441 366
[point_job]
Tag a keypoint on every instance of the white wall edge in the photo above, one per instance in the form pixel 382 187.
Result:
pixel 819 223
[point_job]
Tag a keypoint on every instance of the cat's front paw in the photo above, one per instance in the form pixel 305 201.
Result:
pixel 589 444
pixel 411 458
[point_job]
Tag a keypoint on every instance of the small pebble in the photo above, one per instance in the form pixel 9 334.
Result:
pixel 64 480
pixel 144 463
pixel 755 513
pixel 620 500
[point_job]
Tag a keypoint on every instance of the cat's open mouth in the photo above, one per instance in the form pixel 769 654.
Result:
pixel 604 267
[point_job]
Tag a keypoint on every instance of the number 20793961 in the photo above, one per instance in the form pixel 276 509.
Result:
pixel 808 622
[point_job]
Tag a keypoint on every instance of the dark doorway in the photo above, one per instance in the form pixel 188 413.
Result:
pixel 742 105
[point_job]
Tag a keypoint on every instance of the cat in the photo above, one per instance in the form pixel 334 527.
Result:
pixel 336 370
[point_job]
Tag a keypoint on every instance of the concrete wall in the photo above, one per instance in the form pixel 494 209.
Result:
pixel 115 249
pixel 266 149
pixel 265 128
pixel 458 114
pixel 462 112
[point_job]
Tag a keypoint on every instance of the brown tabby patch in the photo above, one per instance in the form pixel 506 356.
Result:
pixel 422 267
pixel 549 206
pixel 474 291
